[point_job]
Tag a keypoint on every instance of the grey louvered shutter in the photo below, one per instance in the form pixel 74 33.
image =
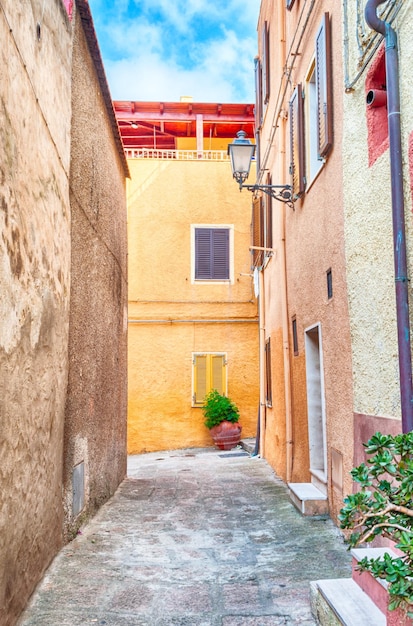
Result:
pixel 212 253
pixel 297 141
pixel 265 63
pixel 220 251
pixel 258 94
pixel 323 86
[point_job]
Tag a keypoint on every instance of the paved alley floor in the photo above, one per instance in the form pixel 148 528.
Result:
pixel 196 537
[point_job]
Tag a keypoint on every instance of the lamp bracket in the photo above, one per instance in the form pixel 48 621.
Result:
pixel 282 193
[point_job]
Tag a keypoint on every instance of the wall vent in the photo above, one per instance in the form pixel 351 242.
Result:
pixel 78 488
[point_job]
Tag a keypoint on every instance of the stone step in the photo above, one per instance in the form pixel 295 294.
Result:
pixel 341 602
pixel 375 588
pixel 308 499
pixel 249 445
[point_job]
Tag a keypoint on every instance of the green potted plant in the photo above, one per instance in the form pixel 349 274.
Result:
pixel 221 418
pixel 383 506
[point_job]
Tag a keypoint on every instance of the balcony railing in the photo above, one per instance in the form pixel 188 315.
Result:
pixel 179 155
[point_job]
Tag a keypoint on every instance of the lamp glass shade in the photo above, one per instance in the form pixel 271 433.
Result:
pixel 241 152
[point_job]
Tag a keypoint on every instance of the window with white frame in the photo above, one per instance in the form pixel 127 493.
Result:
pixel 212 252
pixel 313 160
pixel 311 126
pixel 209 371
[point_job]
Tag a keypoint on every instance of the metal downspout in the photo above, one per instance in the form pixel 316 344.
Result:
pixel 282 121
pixel 399 238
pixel 261 317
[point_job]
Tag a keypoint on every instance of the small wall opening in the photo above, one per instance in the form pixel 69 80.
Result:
pixel 78 489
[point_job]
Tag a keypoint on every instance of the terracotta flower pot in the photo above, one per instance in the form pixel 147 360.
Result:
pixel 226 435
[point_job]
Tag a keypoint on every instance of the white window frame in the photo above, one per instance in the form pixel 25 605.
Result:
pixel 208 281
pixel 206 353
pixel 314 163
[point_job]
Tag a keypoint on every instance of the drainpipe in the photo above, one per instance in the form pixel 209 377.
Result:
pixel 283 266
pixel 263 408
pixel 399 239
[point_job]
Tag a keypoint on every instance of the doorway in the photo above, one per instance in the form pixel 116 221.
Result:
pixel 317 439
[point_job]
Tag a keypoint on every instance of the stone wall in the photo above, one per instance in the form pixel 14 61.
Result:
pixel 95 426
pixel 63 289
pixel 35 113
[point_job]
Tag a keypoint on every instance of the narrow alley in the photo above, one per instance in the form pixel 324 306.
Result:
pixel 195 537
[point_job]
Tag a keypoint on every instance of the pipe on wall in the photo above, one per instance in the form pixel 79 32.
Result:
pixel 376 98
pixel 283 262
pixel 397 195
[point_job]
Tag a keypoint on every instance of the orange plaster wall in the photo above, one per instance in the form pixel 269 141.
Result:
pixel 275 452
pixel 314 241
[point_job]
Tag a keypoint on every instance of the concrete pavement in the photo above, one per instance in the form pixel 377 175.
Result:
pixel 195 537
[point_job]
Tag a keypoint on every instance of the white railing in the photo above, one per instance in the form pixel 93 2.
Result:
pixel 180 155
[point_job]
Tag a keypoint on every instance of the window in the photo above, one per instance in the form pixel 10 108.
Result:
pixel 295 337
pixel 297 141
pixel 262 76
pixel 261 225
pixel 268 380
pixel 258 93
pixel 324 87
pixel 209 372
pixel 329 284
pixel 313 160
pixel 211 253
pixel 257 232
pixel 309 151
pixel 265 63
pixel 290 4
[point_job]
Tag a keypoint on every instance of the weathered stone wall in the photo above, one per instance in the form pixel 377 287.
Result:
pixel 35 113
pixel 63 289
pixel 95 427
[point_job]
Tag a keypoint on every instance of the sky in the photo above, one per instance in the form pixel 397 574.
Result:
pixel 160 50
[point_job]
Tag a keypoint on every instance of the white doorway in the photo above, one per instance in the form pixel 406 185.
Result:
pixel 316 407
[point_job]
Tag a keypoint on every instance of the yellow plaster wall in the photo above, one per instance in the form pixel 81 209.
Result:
pixel 213 143
pixel 171 316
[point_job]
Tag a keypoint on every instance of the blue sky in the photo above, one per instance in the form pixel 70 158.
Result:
pixel 161 50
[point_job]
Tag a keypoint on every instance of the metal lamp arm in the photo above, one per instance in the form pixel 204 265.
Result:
pixel 282 193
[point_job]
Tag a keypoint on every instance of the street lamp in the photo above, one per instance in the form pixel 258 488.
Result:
pixel 241 152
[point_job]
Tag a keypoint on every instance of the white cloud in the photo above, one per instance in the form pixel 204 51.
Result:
pixel 204 49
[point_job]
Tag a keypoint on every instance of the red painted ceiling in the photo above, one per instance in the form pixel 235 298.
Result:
pixel 159 124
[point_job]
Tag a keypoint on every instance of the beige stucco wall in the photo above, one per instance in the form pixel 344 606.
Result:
pixel 63 315
pixel 35 113
pixel 95 426
pixel 369 239
pixel 314 242
pixel 170 315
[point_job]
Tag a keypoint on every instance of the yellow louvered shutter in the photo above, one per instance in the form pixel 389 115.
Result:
pixel 218 373
pixel 200 378
pixel 209 373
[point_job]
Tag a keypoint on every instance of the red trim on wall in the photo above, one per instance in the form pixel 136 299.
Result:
pixel 69 7
pixel 365 426
pixel 376 117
